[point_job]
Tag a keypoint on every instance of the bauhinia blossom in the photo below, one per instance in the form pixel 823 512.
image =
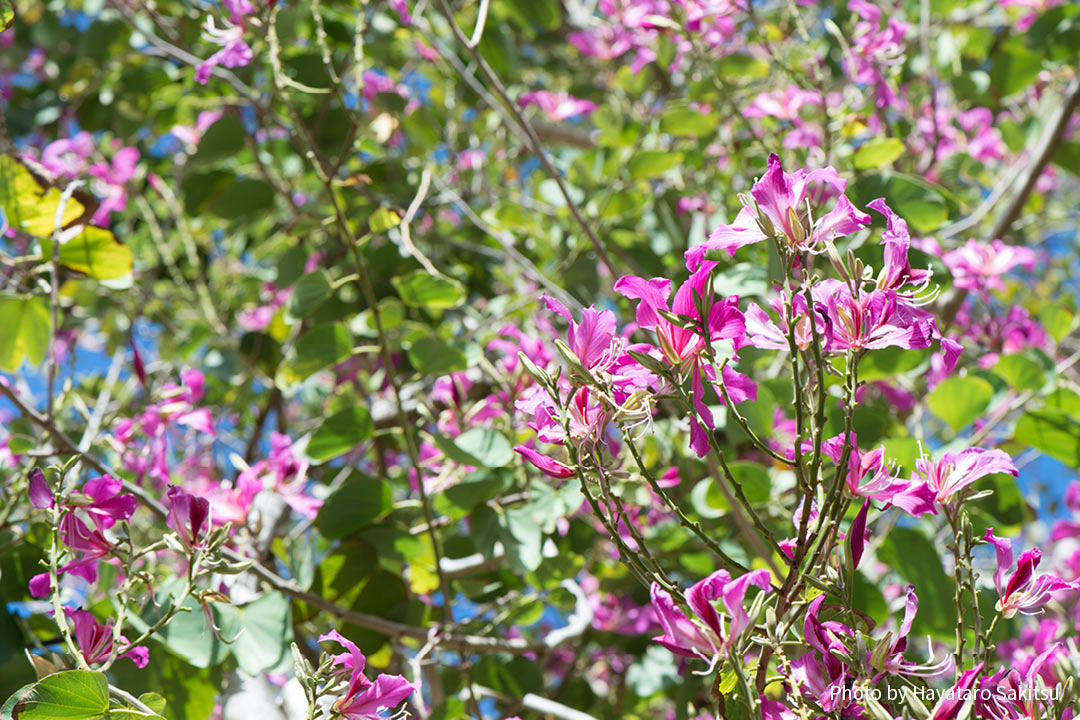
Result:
pixel 90 545
pixel 953 701
pixel 951 472
pixel 543 463
pixel 95 640
pixel 234 51
pixel 364 699
pixel 704 636
pixel 557 106
pixel 189 517
pixel 683 346
pixel 1023 592
pixel 979 266
pixel 778 210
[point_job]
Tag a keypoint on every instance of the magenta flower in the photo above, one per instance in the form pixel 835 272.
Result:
pixel 104 502
pixel 952 471
pixel 682 346
pixel 557 106
pixel 95 640
pixel 953 701
pixel 818 673
pixel 897 271
pixel 779 204
pixel 1023 593
pixel 894 662
pixel 592 340
pixel 234 51
pixel 869 477
pixel 979 266
pixel 704 636
pixel 41 496
pixel 364 699
pixel 89 544
pixel 543 463
pixel 189 517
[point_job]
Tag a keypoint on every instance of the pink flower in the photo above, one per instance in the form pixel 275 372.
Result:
pixel 364 699
pixel 192 134
pixel 90 545
pixel 896 270
pixel 952 471
pixel 682 346
pixel 557 106
pixel 543 463
pixel 41 495
pixel 953 701
pixel 869 477
pixel 95 640
pixel 234 51
pixel 704 636
pixel 778 207
pixel 106 504
pixel 401 7
pixel 1023 593
pixel 593 339
pixel 782 104
pixel 189 517
pixel 978 266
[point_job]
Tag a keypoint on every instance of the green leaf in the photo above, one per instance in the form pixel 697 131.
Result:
pixel 916 560
pixel 266 633
pixel 522 538
pixel 1067 157
pixel 479 447
pixel 340 433
pixel 542 15
pixel 1020 372
pixel 308 293
pixel 960 400
pixel 652 163
pixel 7 14
pixel 740 68
pixel 71 695
pixel 189 634
pixel 383 219
pixel 432 356
pixel 320 347
pixel 889 362
pixel 360 501
pixel 1058 319
pixel 29 202
pixel 684 121
pixel 153 701
pixel 1014 67
pixel 24 331
pixel 192 692
pixel 242 197
pixel 922 204
pixel 221 140
pixel 432 292
pixel 95 252
pixel 878 153
pixel 458 500
pixel 1053 432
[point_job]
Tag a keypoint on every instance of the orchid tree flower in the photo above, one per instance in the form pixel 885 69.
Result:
pixel 704 635
pixel 543 463
pixel 364 699
pixel 593 340
pixel 869 477
pixel 189 517
pixel 951 472
pixel 90 545
pixel 558 105
pixel 1023 593
pixel 95 640
pixel 953 701
pixel 894 663
pixel 777 210
pixel 102 500
pixel 979 266
pixel 683 347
